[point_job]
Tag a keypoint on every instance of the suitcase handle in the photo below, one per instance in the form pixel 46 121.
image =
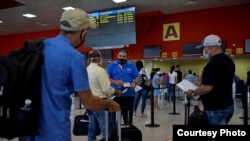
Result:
pixel 118 121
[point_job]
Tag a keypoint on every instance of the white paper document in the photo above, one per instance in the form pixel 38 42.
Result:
pixel 185 85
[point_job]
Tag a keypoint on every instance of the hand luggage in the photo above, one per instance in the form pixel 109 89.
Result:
pixel 115 133
pixel 80 127
pixel 131 132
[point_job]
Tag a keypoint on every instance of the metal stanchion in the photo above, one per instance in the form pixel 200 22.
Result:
pixel 174 112
pixel 152 124
pixel 245 97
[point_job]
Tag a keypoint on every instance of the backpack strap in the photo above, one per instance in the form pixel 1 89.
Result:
pixel 36 45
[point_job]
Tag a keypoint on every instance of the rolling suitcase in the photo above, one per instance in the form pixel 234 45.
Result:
pixel 116 132
pixel 131 132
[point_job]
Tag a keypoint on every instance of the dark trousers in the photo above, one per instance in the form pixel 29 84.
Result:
pixel 126 104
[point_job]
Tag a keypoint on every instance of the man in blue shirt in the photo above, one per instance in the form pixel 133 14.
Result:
pixel 124 76
pixel 63 73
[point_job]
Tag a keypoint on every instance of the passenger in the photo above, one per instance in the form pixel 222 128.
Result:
pixel 64 72
pixel 179 93
pixel 100 86
pixel 171 84
pixel 144 84
pixel 156 81
pixel 215 90
pixel 124 76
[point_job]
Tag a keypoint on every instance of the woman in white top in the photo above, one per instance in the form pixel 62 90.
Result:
pixel 172 75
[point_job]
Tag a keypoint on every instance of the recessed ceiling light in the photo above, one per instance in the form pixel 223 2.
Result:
pixel 44 24
pixel 1 21
pixel 29 15
pixel 119 1
pixel 68 8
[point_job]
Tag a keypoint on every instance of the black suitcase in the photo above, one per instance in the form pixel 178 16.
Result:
pixel 131 132
pixel 116 132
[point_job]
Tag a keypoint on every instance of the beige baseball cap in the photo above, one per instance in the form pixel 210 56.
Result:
pixel 76 20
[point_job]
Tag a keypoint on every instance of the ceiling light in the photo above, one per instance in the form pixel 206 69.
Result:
pixel 68 8
pixel 29 15
pixel 119 1
pixel 1 21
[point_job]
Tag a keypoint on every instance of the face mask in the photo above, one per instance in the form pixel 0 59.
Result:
pixel 122 61
pixel 100 62
pixel 158 72
pixel 82 41
pixel 205 55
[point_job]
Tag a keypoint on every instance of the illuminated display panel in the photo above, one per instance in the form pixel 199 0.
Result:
pixel 114 27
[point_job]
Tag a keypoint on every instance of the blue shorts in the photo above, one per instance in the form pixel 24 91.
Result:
pixel 157 92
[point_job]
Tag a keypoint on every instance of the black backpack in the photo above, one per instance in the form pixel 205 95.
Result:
pixel 20 90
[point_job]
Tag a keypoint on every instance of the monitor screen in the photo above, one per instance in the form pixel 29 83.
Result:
pixel 106 54
pixel 247 45
pixel 152 51
pixel 189 49
pixel 114 27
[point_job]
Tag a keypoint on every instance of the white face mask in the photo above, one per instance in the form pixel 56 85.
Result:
pixel 100 62
pixel 205 55
pixel 158 72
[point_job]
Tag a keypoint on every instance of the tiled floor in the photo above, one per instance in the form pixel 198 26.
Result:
pixel 165 118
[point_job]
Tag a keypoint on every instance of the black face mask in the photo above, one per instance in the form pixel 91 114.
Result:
pixel 82 41
pixel 122 61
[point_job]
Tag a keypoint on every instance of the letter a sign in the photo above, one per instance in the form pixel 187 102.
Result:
pixel 171 31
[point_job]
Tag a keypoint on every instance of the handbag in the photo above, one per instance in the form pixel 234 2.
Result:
pixel 80 126
pixel 146 87
pixel 144 81
pixel 198 117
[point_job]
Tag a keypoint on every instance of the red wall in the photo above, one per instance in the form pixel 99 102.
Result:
pixel 231 23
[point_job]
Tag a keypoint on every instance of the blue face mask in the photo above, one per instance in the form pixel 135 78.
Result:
pixel 205 55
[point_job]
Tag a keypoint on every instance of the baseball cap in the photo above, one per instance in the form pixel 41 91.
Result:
pixel 76 20
pixel 210 40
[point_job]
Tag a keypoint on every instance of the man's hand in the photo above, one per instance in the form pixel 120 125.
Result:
pixel 118 93
pixel 133 85
pixel 119 83
pixel 189 92
pixel 113 106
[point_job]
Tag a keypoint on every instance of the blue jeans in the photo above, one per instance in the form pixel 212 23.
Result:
pixel 141 94
pixel 97 118
pixel 171 92
pixel 220 117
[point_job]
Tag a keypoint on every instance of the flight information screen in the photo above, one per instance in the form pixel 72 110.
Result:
pixel 114 27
